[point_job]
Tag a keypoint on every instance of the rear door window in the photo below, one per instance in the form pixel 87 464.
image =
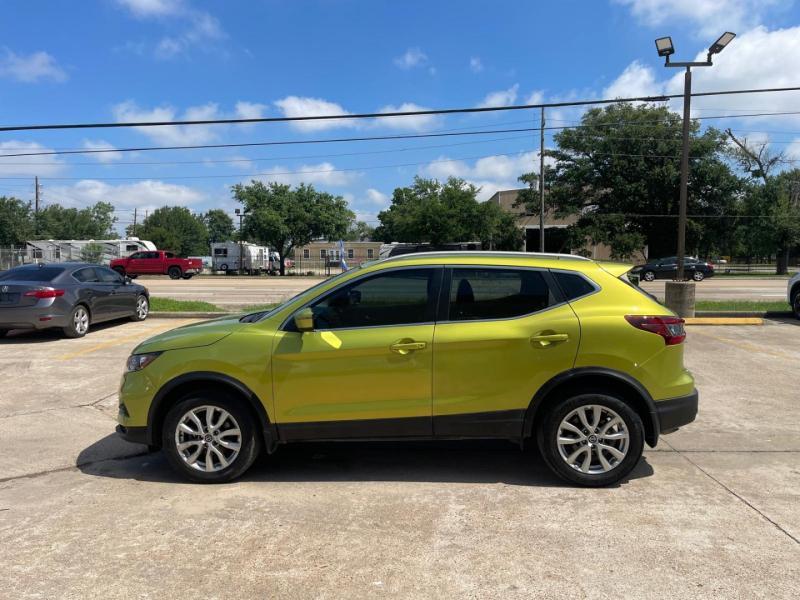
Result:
pixel 87 275
pixel 482 294
pixel 107 275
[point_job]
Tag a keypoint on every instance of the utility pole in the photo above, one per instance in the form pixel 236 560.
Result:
pixel 241 241
pixel 541 184
pixel 36 205
pixel 134 222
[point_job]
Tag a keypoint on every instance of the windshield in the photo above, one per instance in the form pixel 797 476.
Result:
pixel 263 314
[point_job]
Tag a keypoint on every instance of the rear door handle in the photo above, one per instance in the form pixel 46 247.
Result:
pixel 543 340
pixel 405 347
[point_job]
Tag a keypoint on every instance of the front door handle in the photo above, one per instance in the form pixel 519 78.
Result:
pixel 543 340
pixel 407 346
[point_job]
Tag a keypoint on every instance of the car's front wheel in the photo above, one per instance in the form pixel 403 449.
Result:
pixel 649 276
pixel 142 309
pixel 698 276
pixel 78 323
pixel 591 439
pixel 210 438
pixel 796 305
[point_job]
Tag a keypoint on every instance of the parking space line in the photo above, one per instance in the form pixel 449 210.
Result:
pixel 125 338
pixel 745 345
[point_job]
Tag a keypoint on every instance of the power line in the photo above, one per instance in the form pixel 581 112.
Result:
pixel 380 115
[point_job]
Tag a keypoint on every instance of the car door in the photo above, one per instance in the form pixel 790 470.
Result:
pixel 97 294
pixel 501 334
pixel 122 297
pixel 366 368
pixel 136 262
pixel 667 268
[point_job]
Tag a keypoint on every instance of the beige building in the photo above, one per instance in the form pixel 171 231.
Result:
pixel 555 235
pixel 319 255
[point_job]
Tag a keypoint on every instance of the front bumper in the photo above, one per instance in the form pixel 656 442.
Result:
pixel 135 435
pixel 676 412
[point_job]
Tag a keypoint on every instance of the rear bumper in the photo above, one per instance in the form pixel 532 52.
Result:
pixel 676 412
pixel 31 318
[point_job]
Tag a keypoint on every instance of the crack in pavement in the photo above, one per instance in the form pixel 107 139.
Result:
pixel 92 404
pixel 74 467
pixel 735 495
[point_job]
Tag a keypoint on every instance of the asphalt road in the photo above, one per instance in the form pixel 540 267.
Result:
pixel 232 292
pixel 711 512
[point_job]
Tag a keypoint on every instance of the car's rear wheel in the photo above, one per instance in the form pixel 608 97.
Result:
pixel 591 439
pixel 209 437
pixel 698 276
pixel 649 276
pixel 78 324
pixel 796 304
pixel 174 272
pixel 142 308
pixel 188 275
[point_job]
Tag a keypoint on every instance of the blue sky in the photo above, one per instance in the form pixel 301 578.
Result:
pixel 118 60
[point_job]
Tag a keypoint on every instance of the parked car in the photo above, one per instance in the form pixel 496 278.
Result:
pixel 69 296
pixel 667 268
pixel 157 262
pixel 556 349
pixel 793 294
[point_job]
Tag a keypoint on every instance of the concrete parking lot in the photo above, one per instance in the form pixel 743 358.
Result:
pixel 235 292
pixel 711 512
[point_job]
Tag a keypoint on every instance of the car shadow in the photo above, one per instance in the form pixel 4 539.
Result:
pixel 38 336
pixel 462 461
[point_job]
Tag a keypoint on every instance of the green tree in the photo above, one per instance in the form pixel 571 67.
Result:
pixel 175 228
pixel 359 232
pixel 16 221
pixel 93 222
pixel 620 173
pixel 219 224
pixel 284 218
pixel 92 253
pixel 441 213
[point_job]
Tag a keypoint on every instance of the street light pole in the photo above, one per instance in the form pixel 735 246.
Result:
pixel 687 101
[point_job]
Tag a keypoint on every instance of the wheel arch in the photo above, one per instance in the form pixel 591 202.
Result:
pixel 795 291
pixel 595 379
pixel 184 384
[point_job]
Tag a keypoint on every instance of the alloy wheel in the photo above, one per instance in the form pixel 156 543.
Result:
pixel 649 276
pixel 697 276
pixel 142 308
pixel 80 320
pixel 208 438
pixel 593 439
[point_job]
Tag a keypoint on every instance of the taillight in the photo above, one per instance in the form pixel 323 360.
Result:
pixel 670 328
pixel 48 293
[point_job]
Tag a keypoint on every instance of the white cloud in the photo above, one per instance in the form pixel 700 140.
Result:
pixel 30 68
pixel 535 97
pixel 710 17
pixel 376 198
pixel 491 173
pixel 323 173
pixel 413 57
pixel 475 64
pixel 500 97
pixel 102 157
pixel 299 106
pixel 759 58
pixel 152 8
pixel 636 80
pixel 21 166
pixel 145 195
pixel 180 135
pixel 409 122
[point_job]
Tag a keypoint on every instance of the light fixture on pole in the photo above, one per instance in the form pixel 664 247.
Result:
pixel 666 49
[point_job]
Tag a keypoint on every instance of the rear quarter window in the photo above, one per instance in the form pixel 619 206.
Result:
pixel 574 286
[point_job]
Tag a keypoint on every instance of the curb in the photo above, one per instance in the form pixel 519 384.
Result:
pixel 739 314
pixel 159 314
pixel 724 321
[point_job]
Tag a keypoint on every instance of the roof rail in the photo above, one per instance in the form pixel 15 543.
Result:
pixel 506 254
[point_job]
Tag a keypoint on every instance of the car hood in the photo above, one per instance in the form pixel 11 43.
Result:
pixel 191 336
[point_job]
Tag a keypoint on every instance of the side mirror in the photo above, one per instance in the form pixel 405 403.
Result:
pixel 304 320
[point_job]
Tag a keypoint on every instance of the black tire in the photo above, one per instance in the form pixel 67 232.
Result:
pixel 649 276
pixel 137 315
pixel 548 433
pixel 796 304
pixel 698 276
pixel 120 270
pixel 3 333
pixel 249 447
pixel 188 275
pixel 75 328
pixel 174 273
pixel 224 267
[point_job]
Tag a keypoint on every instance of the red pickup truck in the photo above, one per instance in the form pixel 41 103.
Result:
pixel 157 262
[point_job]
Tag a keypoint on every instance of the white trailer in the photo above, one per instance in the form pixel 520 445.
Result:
pixel 75 250
pixel 226 257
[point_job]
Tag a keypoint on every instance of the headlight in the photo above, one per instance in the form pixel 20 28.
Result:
pixel 137 362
